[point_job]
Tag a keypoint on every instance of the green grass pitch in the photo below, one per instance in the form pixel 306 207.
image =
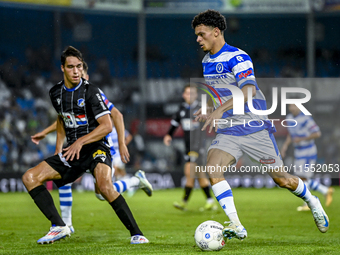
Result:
pixel 273 224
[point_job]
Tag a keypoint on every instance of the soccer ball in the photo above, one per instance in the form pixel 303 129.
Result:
pixel 209 237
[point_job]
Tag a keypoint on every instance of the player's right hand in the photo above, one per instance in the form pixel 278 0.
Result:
pixel 37 137
pixel 167 140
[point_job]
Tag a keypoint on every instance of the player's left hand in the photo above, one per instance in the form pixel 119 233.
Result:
pixel 215 115
pixel 37 137
pixel 297 139
pixel 124 153
pixel 73 150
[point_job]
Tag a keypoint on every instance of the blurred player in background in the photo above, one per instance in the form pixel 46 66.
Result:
pixel 129 184
pixel 117 162
pixel 193 146
pixel 84 119
pixel 225 66
pixel 305 151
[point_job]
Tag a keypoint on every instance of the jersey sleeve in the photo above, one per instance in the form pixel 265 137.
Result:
pixel 54 98
pixel 242 67
pixel 106 101
pixel 126 133
pixel 96 101
pixel 312 126
pixel 175 122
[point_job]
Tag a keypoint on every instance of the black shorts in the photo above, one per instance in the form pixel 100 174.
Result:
pixel 90 155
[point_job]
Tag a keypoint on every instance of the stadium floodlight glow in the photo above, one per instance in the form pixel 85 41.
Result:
pixel 238 100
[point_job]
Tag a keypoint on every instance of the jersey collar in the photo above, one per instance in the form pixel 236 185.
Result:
pixel 224 48
pixel 75 88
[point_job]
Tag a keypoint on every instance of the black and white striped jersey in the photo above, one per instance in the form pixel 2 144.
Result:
pixel 80 107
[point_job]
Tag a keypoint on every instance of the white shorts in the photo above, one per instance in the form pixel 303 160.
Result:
pixel 260 147
pixel 118 163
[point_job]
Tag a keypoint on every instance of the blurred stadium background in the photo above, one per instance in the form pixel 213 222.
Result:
pixel 141 53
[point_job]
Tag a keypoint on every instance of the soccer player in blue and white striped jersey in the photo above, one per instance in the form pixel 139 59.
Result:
pixel 225 66
pixel 305 152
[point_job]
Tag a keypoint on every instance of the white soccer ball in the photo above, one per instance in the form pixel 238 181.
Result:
pixel 209 237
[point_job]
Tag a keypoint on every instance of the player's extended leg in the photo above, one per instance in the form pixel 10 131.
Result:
pixel 324 190
pixel 34 180
pixel 223 193
pixel 65 199
pixel 189 185
pixel 299 189
pixel 103 176
pixel 138 181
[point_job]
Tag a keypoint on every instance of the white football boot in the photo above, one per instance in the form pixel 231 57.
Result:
pixel 138 239
pixel 320 217
pixel 233 230
pixel 56 233
pixel 144 184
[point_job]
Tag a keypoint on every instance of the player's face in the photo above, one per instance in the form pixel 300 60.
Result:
pixel 294 109
pixel 206 37
pixel 190 95
pixel 72 69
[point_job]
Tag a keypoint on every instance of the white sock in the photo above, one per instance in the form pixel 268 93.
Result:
pixel 126 184
pixel 224 196
pixel 303 192
pixel 65 198
pixel 317 186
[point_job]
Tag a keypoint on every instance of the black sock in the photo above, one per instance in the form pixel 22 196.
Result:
pixel 43 199
pixel 187 192
pixel 125 215
pixel 206 191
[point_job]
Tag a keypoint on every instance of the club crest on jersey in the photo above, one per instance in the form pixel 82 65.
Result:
pixel 100 154
pixel 81 102
pixel 58 101
pixel 219 68
pixel 214 142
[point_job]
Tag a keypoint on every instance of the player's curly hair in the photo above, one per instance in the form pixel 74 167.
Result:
pixel 210 18
pixel 70 52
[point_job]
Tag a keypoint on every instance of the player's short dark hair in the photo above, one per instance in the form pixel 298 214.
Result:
pixel 70 52
pixel 210 18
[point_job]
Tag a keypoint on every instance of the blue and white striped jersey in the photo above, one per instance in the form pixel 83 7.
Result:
pixel 232 66
pixel 305 127
pixel 112 139
pixel 113 150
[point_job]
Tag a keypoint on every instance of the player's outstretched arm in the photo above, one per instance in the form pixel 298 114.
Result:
pixel 128 137
pixel 285 145
pixel 167 139
pixel 104 127
pixel 41 135
pixel 312 136
pixel 228 105
pixel 118 121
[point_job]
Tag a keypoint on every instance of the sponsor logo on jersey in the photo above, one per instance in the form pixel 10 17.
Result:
pixel 100 154
pixel 81 102
pixel 219 68
pixel 245 74
pixel 267 161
